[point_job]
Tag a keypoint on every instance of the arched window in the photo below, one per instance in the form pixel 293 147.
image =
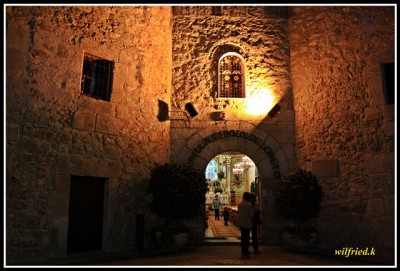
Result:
pixel 211 170
pixel 231 76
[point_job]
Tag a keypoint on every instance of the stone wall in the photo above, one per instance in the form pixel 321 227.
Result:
pixel 335 121
pixel 53 131
pixel 344 129
pixel 201 35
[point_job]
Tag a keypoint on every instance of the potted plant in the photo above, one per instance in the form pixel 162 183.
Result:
pixel 178 193
pixel 298 199
pixel 218 189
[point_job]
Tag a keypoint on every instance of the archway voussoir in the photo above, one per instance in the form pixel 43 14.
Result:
pixel 264 168
pixel 258 157
pixel 242 145
pixel 215 148
pixel 201 163
pixel 256 144
pixel 273 144
pixel 231 144
pixel 280 155
pixel 249 148
pixel 209 153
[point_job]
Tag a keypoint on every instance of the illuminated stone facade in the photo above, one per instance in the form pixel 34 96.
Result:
pixel 321 64
pixel 54 132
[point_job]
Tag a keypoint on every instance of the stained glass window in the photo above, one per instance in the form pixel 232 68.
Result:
pixel 231 76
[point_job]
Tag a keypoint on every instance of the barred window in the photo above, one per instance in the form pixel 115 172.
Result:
pixel 231 76
pixel 97 77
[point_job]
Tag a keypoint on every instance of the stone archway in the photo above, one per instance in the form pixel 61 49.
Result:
pixel 262 148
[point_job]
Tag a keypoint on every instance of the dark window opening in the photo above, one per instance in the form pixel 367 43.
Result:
pixel 387 70
pixel 97 77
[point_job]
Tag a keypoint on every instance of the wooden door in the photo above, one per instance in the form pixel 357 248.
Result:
pixel 86 208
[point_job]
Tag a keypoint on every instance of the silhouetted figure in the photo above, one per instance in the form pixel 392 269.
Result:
pixel 225 214
pixel 245 222
pixel 256 222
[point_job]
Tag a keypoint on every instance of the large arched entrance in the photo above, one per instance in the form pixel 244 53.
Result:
pixel 228 175
pixel 263 149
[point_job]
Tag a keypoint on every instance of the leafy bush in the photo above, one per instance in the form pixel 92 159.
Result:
pixel 298 198
pixel 170 230
pixel 298 195
pixel 178 191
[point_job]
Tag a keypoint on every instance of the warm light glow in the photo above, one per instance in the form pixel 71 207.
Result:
pixel 259 104
pixel 255 107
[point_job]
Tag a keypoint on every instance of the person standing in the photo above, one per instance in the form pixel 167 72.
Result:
pixel 225 214
pixel 256 222
pixel 216 204
pixel 245 222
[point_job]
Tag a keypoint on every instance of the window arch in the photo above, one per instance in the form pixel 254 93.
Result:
pixel 231 76
pixel 211 170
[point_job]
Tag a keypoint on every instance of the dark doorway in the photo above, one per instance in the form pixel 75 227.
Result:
pixel 86 207
pixel 388 82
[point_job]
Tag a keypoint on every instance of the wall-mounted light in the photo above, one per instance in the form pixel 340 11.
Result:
pixel 191 110
pixel 274 111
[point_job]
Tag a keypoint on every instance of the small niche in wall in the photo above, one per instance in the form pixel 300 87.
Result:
pixel 387 71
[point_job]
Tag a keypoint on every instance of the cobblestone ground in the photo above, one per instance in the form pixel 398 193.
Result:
pixel 231 256
pixel 211 255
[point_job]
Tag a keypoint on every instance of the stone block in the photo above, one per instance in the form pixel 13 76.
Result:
pixel 325 168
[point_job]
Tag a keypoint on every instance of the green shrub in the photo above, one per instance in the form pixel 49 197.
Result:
pixel 178 191
pixel 298 195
